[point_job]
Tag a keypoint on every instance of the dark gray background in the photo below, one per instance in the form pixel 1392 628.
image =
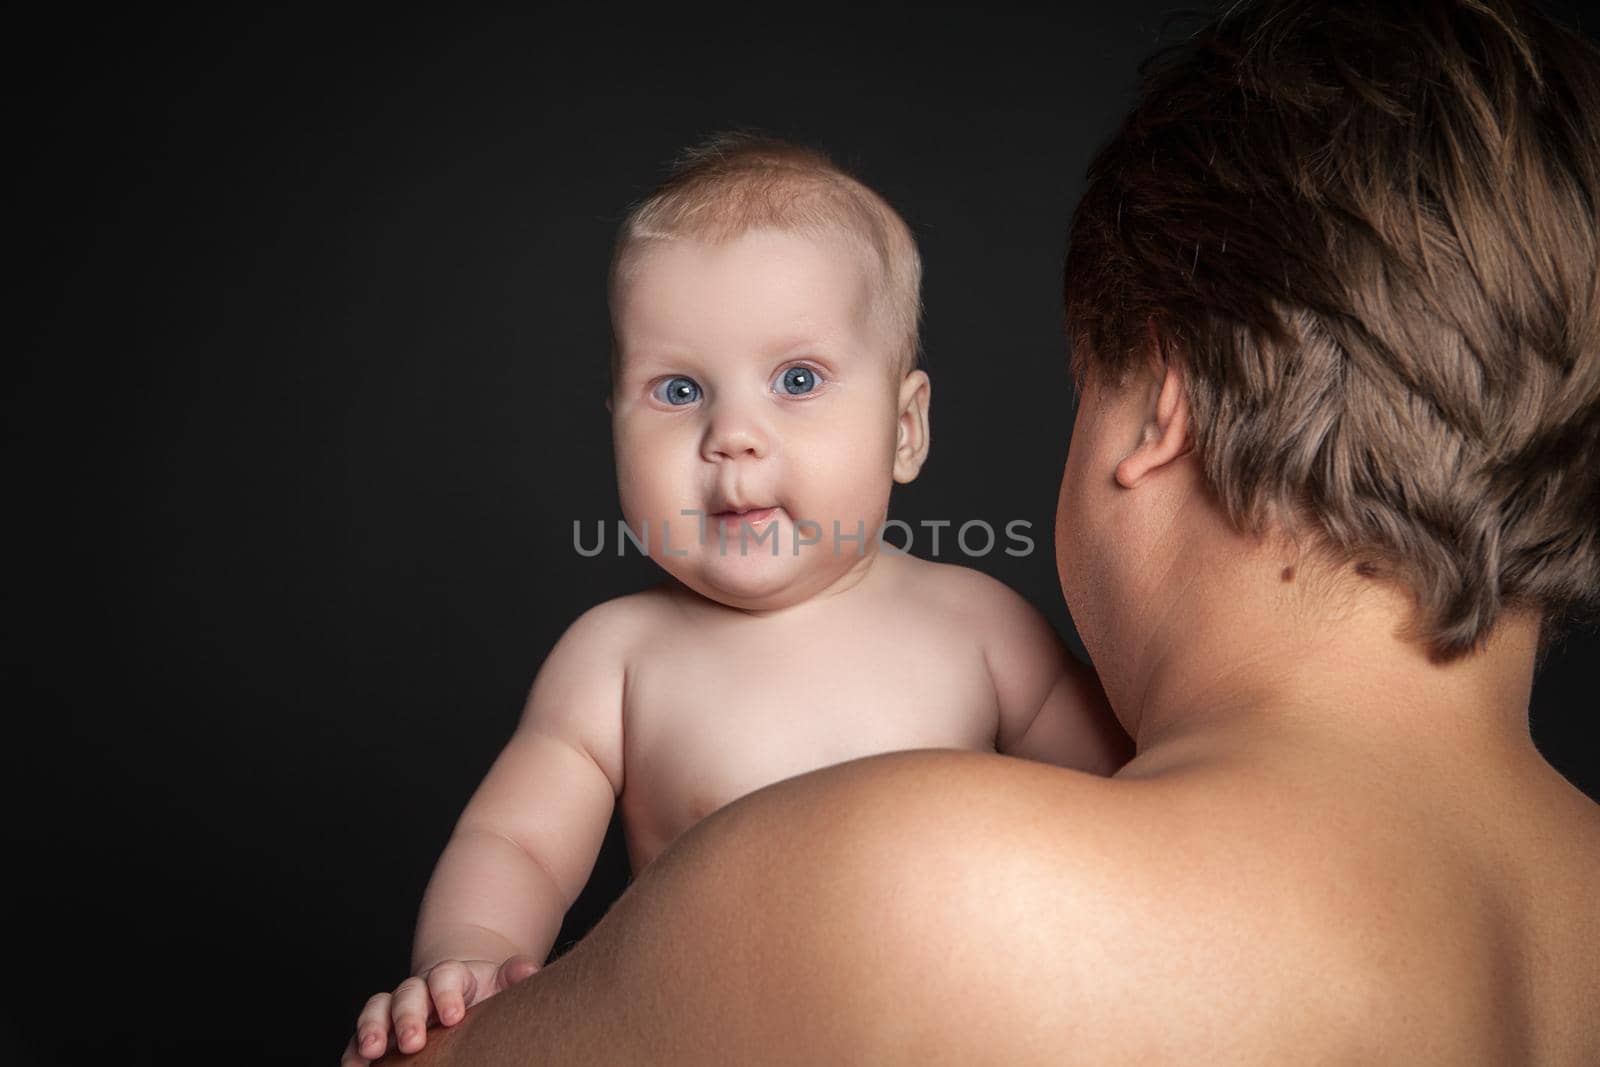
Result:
pixel 310 391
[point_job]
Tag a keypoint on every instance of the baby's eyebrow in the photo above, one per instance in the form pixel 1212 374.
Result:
pixel 788 343
pixel 664 356
pixel 793 346
pixel 648 356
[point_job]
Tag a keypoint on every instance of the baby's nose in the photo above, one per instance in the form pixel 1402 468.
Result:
pixel 732 435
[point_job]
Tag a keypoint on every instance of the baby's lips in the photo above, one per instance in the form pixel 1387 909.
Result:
pixel 727 505
pixel 746 515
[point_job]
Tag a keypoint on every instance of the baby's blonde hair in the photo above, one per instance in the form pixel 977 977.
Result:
pixel 733 183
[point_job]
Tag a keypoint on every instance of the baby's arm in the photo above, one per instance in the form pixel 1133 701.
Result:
pixel 1052 708
pixel 523 847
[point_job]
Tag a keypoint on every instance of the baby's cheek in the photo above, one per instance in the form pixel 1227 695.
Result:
pixel 852 477
pixel 631 492
pixel 645 496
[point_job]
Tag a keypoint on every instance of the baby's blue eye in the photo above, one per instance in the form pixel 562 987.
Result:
pixel 678 391
pixel 797 381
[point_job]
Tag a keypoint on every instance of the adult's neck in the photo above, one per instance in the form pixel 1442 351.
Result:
pixel 1247 649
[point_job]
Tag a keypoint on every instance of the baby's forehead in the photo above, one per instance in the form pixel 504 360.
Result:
pixel 757 272
pixel 766 247
pixel 761 294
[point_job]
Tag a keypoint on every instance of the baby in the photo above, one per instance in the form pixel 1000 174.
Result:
pixel 765 397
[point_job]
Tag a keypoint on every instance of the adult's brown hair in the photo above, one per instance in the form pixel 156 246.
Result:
pixel 1368 231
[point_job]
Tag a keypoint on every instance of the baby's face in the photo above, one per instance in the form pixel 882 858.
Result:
pixel 754 378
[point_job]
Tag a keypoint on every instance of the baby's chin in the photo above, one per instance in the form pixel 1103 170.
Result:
pixel 755 580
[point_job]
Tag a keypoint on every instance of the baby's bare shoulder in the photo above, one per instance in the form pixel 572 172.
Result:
pixel 613 627
pixel 1016 637
pixel 964 589
pixel 577 694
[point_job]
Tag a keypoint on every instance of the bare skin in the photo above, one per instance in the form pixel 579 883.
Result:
pixel 900 660
pixel 1329 848
pixel 746 667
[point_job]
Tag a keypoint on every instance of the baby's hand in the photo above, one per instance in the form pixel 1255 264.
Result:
pixel 442 994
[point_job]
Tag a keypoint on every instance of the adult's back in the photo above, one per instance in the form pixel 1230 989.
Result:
pixel 1351 902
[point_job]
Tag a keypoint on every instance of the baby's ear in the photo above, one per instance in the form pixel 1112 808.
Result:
pixel 608 403
pixel 912 430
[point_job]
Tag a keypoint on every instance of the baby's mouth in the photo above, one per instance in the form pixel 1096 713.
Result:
pixel 754 517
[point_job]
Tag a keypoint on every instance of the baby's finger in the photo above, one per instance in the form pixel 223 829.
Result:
pixel 410 1012
pixel 372 1027
pixel 453 987
pixel 352 1057
pixel 515 970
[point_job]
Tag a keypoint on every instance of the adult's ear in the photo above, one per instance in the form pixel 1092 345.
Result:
pixel 911 440
pixel 1167 431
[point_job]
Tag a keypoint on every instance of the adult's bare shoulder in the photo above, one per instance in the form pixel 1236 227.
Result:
pixel 875 911
pixel 908 908
pixel 1011 911
pixel 993 908
pixel 959 907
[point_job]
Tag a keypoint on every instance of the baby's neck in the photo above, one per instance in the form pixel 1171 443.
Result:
pixel 864 575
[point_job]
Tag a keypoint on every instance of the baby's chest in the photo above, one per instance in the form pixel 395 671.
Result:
pixel 704 725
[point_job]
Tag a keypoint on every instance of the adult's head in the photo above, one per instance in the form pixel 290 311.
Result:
pixel 1360 241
